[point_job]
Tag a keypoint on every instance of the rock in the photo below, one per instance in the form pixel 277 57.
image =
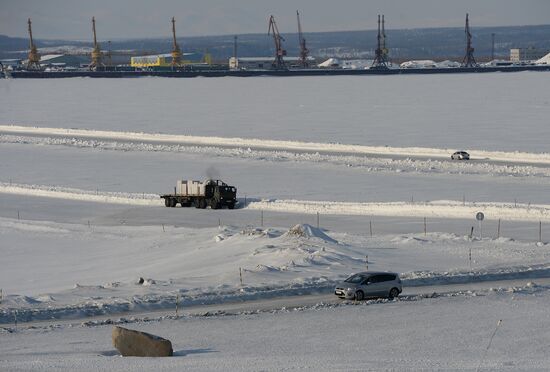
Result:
pixel 135 343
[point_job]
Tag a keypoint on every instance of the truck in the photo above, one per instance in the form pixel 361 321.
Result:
pixel 213 193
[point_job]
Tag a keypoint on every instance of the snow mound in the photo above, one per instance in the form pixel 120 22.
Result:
pixel 253 231
pixel 307 231
pixel 267 268
pixel 45 298
pixel 410 239
pixel 149 282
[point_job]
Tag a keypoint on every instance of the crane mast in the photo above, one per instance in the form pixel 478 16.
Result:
pixel 278 63
pixel 380 57
pixel 176 51
pixel 96 51
pixel 304 52
pixel 384 49
pixel 34 57
pixel 469 60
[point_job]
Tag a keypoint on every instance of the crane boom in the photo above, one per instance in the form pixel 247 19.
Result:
pixel 469 60
pixel 175 44
pixel 96 51
pixel 93 30
pixel 34 57
pixel 30 34
pixel 304 52
pixel 273 30
pixel 176 51
pixel 380 58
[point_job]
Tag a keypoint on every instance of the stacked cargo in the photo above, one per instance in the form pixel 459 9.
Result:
pixel 190 187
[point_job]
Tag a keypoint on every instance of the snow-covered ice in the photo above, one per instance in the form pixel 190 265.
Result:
pixel 501 111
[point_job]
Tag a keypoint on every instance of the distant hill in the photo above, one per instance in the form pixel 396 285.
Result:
pixel 430 43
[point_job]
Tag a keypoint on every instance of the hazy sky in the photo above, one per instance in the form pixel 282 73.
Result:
pixel 116 19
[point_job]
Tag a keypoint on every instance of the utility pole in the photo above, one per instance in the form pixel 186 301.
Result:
pixel 469 60
pixel 278 63
pixel 304 52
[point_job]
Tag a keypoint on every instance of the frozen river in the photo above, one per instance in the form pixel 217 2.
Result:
pixel 467 111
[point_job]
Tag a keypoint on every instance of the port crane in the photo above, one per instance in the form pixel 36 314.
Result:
pixel 96 51
pixel 176 51
pixel 34 57
pixel 469 60
pixel 278 63
pixel 381 53
pixel 384 49
pixel 304 52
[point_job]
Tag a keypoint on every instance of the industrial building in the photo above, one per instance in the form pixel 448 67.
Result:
pixel 544 60
pixel 12 63
pixel 526 54
pixel 61 60
pixel 165 60
pixel 255 63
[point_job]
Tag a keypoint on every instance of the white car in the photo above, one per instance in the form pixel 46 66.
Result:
pixel 369 284
pixel 460 155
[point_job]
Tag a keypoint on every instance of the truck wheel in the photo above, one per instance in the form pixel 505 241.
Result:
pixel 197 203
pixel 231 206
pixel 173 202
pixel 166 202
pixel 214 205
pixel 203 204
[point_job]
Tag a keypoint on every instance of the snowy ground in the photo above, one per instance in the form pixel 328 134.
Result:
pixel 451 331
pixel 81 221
pixel 102 264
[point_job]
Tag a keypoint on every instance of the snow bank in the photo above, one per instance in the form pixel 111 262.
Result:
pixel 369 163
pixel 511 157
pixel 59 192
pixel 439 208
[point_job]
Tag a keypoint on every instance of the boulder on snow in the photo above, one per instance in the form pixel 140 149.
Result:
pixel 135 343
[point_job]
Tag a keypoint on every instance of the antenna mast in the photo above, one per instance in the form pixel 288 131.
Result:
pixel 278 63
pixel 304 52
pixel 380 57
pixel 176 51
pixel 469 60
pixel 34 57
pixel 96 52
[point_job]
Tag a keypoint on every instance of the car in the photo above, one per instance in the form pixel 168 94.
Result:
pixel 369 284
pixel 460 155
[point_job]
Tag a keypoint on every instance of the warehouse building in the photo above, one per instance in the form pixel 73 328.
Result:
pixel 263 63
pixel 62 60
pixel 165 60
pixel 526 54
